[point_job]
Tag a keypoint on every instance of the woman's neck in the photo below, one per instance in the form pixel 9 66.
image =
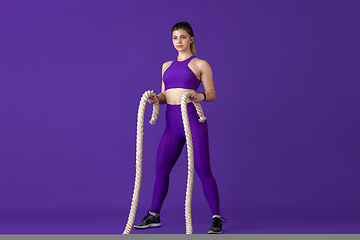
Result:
pixel 184 55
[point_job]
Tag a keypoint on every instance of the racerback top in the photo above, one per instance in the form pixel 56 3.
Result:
pixel 179 75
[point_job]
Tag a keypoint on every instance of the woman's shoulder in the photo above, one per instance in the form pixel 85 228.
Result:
pixel 166 64
pixel 201 63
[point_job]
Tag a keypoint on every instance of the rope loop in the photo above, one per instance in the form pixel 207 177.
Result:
pixel 139 154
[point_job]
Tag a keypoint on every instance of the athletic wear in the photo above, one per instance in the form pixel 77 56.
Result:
pixel 151 220
pixel 170 147
pixel 179 75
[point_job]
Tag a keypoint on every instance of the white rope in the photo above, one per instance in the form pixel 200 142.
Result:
pixel 139 154
pixel 190 153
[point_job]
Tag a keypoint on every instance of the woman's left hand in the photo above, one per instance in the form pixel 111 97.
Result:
pixel 196 97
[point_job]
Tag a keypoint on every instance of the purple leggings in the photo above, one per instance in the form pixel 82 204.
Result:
pixel 171 144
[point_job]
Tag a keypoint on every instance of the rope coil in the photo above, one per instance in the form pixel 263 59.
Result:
pixel 139 154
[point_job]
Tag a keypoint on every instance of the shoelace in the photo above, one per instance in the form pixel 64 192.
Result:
pixel 147 217
pixel 221 219
pixel 224 219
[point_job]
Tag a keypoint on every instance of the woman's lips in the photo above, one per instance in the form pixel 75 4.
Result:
pixel 179 46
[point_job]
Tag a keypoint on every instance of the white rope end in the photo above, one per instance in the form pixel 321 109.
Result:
pixel 202 119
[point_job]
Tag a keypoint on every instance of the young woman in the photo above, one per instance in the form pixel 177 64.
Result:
pixel 181 75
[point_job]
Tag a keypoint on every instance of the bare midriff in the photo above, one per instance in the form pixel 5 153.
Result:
pixel 174 95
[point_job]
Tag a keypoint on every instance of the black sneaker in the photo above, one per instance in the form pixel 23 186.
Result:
pixel 151 220
pixel 216 225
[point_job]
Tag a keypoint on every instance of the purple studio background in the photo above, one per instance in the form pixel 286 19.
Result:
pixel 284 128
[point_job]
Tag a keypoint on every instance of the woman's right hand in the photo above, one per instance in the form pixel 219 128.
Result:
pixel 153 99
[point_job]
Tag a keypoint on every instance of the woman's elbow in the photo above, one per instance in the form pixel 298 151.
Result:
pixel 211 96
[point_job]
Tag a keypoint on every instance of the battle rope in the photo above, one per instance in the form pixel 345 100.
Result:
pixel 139 154
pixel 139 151
pixel 190 153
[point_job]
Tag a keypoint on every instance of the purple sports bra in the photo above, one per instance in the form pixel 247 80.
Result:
pixel 179 75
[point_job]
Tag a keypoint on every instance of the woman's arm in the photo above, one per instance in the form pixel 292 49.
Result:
pixel 208 83
pixel 161 97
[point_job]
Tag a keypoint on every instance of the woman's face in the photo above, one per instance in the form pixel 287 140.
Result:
pixel 181 40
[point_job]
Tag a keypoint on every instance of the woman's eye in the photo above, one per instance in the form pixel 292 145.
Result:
pixel 183 37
